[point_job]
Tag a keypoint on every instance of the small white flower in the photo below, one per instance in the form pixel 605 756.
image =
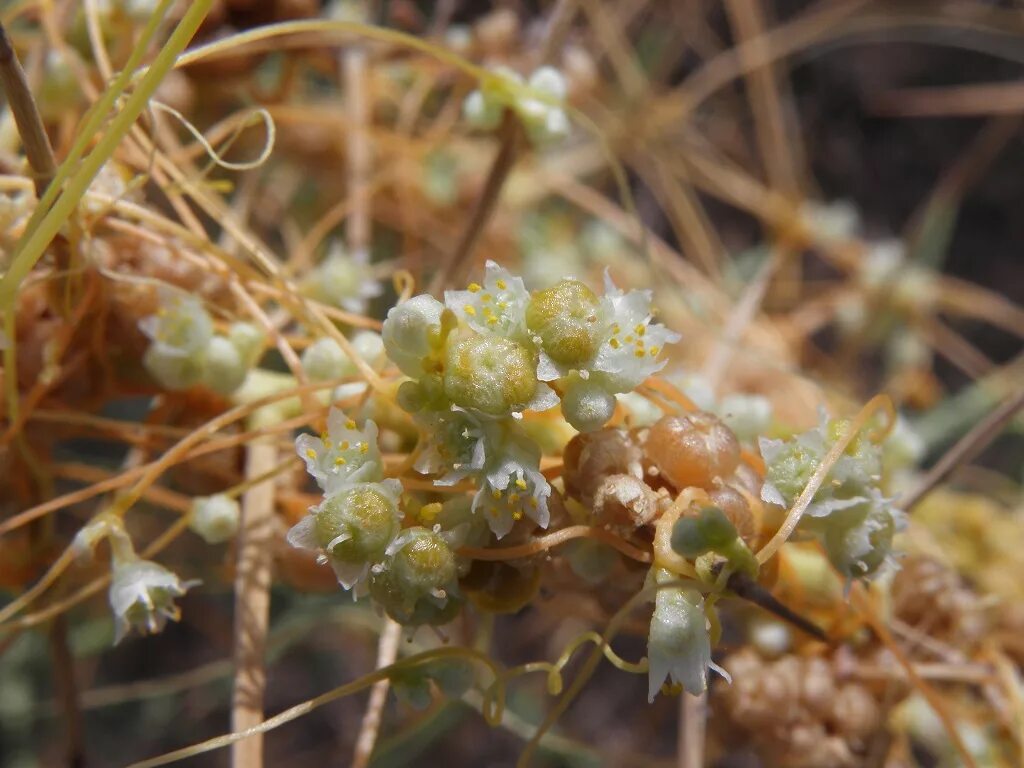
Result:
pixel 344 280
pixel 498 306
pixel 343 455
pixel 679 646
pixel 539 103
pixel 142 596
pixel 454 447
pixel 181 324
pixel 632 348
pixel 215 518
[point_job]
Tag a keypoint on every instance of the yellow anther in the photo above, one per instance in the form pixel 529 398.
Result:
pixel 653 351
pixel 629 339
pixel 520 484
pixel 350 424
pixel 486 297
pixel 495 494
pixel 517 515
pixel 502 305
pixel 344 444
pixel 639 330
pixel 533 503
pixel 492 320
pixel 364 447
pixel 639 353
pixel 502 285
pixel 311 453
pixel 340 461
pixel 614 343
pixel 615 328
pixel 513 498
pixel 474 288
pixel 429 512
pixel 470 310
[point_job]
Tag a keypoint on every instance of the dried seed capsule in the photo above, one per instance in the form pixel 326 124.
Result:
pixel 592 456
pixel 737 510
pixel 625 500
pixel 692 450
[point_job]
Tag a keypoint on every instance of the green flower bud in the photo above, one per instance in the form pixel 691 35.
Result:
pixel 249 340
pixel 324 359
pixel 215 518
pixel 407 332
pixel 586 405
pixel 422 563
pixel 171 368
pixel 224 370
pixel 490 373
pixel 357 524
pixel 709 530
pixel 565 317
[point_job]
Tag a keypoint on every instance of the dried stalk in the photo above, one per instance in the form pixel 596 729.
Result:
pixel 387 652
pixel 252 604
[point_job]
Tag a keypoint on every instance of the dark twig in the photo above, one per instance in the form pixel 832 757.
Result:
pixel 966 448
pixel 26 115
pixel 748 589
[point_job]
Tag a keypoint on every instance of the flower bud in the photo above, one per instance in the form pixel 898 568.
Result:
pixel 215 518
pixel 142 596
pixel 586 405
pixel 224 370
pixel 422 563
pixel 324 359
pixel 407 332
pixel 249 340
pixel 171 368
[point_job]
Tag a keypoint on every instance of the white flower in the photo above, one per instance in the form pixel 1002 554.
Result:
pixel 679 646
pixel 344 280
pixel 511 484
pixel 539 103
pixel 343 455
pixel 498 306
pixel 142 596
pixel 454 447
pixel 408 331
pixel 632 347
pixel 215 518
pixel 181 325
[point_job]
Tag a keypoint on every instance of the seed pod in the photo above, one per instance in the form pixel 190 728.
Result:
pixel 498 587
pixel 692 450
pixel 625 500
pixel 565 317
pixel 490 373
pixel 357 525
pixel 737 509
pixel 592 456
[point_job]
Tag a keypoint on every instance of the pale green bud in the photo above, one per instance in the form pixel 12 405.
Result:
pixel 215 518
pixel 224 370
pixel 408 331
pixel 249 340
pixel 587 406
pixel 324 359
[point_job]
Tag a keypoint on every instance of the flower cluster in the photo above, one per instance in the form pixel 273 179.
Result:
pixel 357 528
pixel 539 102
pixel 848 513
pixel 494 350
pixel 184 350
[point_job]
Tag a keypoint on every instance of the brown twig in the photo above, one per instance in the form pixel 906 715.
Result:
pixel 965 448
pixel 252 604
pixel 26 115
pixel 387 652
